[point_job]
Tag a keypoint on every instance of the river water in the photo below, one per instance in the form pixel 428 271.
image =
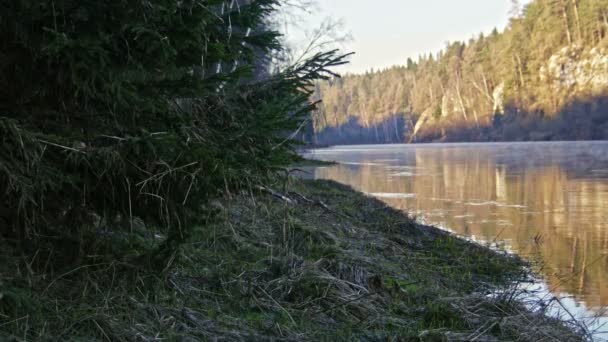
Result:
pixel 547 202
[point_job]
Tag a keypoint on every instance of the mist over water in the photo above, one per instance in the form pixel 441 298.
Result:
pixel 547 202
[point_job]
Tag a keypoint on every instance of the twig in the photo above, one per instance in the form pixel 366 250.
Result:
pixel 477 334
pixel 580 323
pixel 279 305
pixel 321 204
pixel 275 194
pixel 68 273
pixel 163 174
pixel 61 146
pixel 15 320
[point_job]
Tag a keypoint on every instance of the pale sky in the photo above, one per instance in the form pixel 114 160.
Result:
pixel 387 32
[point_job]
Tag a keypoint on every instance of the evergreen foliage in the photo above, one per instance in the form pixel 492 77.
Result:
pixel 124 115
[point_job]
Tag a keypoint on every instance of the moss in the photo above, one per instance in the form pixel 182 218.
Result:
pixel 333 264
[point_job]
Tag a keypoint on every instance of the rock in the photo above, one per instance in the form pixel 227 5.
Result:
pixel 498 97
pixel 576 69
pixel 426 116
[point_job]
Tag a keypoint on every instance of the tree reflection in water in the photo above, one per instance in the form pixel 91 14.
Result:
pixel 546 201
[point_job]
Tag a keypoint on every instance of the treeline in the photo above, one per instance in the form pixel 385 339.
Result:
pixel 543 78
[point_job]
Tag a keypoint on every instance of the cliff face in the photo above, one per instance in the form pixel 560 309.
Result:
pixel 432 121
pixel 576 69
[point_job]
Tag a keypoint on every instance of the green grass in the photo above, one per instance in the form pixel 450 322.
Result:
pixel 333 264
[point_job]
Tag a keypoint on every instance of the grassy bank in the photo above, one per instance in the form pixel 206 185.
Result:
pixel 305 162
pixel 317 261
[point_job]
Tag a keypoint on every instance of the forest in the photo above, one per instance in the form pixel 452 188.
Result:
pixel 545 77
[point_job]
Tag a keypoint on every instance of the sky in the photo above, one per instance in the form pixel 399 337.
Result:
pixel 387 32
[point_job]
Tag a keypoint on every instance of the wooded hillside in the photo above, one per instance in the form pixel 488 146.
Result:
pixel 545 77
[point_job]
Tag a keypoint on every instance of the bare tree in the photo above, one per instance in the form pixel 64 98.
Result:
pixel 302 42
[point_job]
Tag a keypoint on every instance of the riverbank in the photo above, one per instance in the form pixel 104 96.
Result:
pixel 310 260
pixel 308 162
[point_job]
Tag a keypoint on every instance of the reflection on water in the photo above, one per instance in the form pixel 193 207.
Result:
pixel 547 201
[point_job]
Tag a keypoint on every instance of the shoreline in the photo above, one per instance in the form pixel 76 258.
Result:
pixel 454 143
pixel 316 261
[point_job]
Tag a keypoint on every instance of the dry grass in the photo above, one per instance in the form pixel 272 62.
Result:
pixel 329 264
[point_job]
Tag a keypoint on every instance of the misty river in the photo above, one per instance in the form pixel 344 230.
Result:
pixel 547 202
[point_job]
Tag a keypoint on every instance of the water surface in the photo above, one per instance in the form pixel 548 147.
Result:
pixel 548 202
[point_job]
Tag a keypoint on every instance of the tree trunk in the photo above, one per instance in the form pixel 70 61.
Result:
pixel 573 255
pixel 398 139
pixel 483 91
pixel 566 22
pixel 376 133
pixel 462 108
pixel 521 71
pixel 485 83
pixel 605 24
pixel 476 118
pixel 518 67
pixel 581 282
pixel 578 20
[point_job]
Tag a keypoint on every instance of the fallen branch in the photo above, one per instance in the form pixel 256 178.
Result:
pixel 275 194
pixel 320 204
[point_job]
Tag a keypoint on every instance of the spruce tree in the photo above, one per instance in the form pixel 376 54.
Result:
pixel 124 115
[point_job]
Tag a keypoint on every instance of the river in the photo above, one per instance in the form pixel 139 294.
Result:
pixel 547 202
